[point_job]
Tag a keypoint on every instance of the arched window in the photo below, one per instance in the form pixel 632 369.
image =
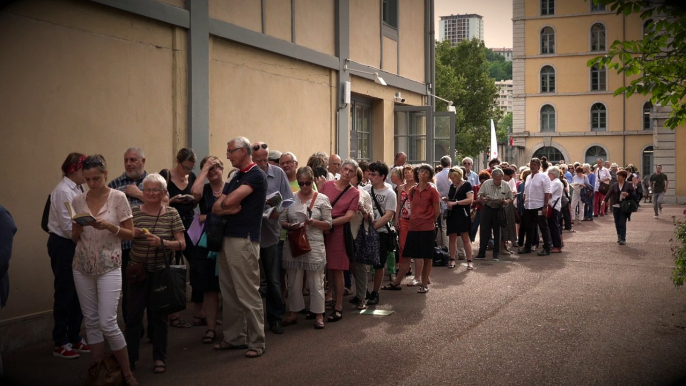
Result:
pixel 547 41
pixel 598 78
pixel 547 79
pixel 553 155
pixel 647 161
pixel 593 153
pixel 547 7
pixel 597 37
pixel 547 118
pixel 598 117
pixel 647 122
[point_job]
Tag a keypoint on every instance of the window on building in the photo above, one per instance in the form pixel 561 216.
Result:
pixel 547 41
pixel 598 117
pixel 593 153
pixel 547 7
pixel 552 154
pixel 547 79
pixel 598 37
pixel 547 118
pixel 598 78
pixel 647 167
pixel 361 133
pixel 647 122
pixel 597 7
pixel 390 13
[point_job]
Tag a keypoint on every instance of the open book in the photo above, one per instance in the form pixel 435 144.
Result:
pixel 81 218
pixel 276 202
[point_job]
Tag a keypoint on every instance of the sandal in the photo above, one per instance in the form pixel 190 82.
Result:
pixel 179 323
pixel 451 263
pixel 207 339
pixel 423 290
pixel 335 316
pixel 319 325
pixel 414 283
pixel 223 345
pixel 392 287
pixel 255 352
pixel 202 321
pixel 469 265
pixel 329 304
pixel 159 369
pixel 130 380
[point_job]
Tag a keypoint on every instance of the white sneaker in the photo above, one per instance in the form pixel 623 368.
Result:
pixel 655 216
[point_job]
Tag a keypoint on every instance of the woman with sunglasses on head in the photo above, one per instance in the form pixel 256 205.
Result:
pixel 180 180
pixel 158 230
pixel 97 261
pixel 313 211
pixel 206 195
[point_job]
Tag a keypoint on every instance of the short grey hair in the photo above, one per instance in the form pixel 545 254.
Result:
pixel 555 171
pixel 446 161
pixel 289 153
pixel 468 159
pixel 156 178
pixel 497 172
pixel 350 162
pixel 242 142
pixel 138 151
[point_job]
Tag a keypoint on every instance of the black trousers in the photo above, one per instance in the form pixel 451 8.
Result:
pixel 489 225
pixel 555 230
pixel 66 309
pixel 566 218
pixel 529 221
pixel 158 324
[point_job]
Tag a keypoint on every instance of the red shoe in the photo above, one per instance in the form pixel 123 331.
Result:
pixel 65 352
pixel 82 346
pixel 556 250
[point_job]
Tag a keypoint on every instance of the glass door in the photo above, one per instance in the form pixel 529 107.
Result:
pixel 425 136
pixel 444 136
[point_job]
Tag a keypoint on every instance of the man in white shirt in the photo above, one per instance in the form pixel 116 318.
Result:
pixel 602 176
pixel 443 187
pixel 536 197
pixel 472 176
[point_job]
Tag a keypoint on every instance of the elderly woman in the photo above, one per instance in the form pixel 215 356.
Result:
pixel 344 203
pixel 579 181
pixel 313 211
pixel 212 168
pixel 359 270
pixel 494 194
pixel 425 202
pixel 180 180
pixel 555 202
pixel 620 191
pixel 459 200
pixel 521 233
pixel 475 213
pixel 158 228
pixel 97 261
pixel 588 201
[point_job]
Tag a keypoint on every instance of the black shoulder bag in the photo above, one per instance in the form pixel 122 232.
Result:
pixel 167 287
pixel 392 234
pixel 347 231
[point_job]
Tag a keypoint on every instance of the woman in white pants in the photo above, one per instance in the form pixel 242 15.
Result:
pixel 311 210
pixel 97 261
pixel 578 181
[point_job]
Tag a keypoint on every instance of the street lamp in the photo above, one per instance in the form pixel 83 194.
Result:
pixel 377 78
pixel 451 108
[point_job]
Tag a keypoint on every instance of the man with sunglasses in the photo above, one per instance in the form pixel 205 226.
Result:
pixel 270 258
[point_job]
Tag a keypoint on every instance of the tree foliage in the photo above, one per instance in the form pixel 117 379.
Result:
pixel 503 128
pixel 498 67
pixel 656 63
pixel 462 77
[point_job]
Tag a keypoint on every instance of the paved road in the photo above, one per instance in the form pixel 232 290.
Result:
pixel 599 313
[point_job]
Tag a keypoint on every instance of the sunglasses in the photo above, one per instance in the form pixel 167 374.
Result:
pixel 301 183
pixel 466 163
pixel 257 147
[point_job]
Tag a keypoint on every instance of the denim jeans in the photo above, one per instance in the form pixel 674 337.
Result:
pixel 66 309
pixel 658 198
pixel 271 264
pixel 620 223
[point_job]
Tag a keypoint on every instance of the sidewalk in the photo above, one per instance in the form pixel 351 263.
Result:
pixel 599 313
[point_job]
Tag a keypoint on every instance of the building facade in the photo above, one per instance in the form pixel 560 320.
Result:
pixel 457 28
pixel 505 89
pixel 565 110
pixel 504 52
pixel 100 76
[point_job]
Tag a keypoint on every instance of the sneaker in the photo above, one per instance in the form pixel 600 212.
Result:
pixel 82 346
pixel 65 352
pixel 622 242
pixel 373 298
pixel 495 258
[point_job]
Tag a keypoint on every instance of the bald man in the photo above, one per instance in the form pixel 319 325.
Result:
pixel 335 165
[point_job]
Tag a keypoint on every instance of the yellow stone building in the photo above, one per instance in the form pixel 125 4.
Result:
pixel 565 110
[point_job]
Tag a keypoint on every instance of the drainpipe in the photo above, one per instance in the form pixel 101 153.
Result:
pixel 624 99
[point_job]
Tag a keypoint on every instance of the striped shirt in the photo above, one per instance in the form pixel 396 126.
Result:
pixel 120 183
pixel 493 192
pixel 168 224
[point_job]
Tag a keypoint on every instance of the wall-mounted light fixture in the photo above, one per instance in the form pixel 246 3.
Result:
pixel 377 78
pixel 451 108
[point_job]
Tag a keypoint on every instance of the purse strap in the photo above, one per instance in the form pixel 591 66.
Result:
pixel 340 195
pixel 378 207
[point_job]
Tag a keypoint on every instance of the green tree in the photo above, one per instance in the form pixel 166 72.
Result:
pixel 656 63
pixel 498 67
pixel 504 128
pixel 462 77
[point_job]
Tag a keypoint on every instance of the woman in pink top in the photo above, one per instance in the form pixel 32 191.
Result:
pixel 97 261
pixel 344 203
pixel 424 199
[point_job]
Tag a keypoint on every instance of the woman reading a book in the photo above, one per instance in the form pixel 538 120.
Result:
pixel 159 231
pixel 97 261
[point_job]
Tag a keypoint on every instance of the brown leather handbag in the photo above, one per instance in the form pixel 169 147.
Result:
pixel 297 238
pixel 105 372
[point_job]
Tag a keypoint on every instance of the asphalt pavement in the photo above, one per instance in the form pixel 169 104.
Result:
pixel 598 313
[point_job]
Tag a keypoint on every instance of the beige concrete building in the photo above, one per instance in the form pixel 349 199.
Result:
pixel 456 28
pixel 103 75
pixel 565 110
pixel 504 52
pixel 505 89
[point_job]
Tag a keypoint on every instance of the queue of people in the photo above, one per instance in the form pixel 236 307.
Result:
pixel 285 253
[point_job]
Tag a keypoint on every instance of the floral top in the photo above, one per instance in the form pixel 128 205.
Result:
pixel 99 251
pixel 406 207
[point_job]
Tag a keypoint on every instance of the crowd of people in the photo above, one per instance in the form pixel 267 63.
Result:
pixel 359 222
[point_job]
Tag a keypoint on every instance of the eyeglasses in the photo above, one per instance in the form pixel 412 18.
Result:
pixel 153 190
pixel 186 168
pixel 230 151
pixel 301 183
pixel 466 163
pixel 257 147
pixel 287 162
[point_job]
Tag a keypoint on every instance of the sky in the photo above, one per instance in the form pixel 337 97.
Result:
pixel 497 16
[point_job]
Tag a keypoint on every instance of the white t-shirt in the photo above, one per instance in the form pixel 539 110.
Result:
pixel 535 189
pixel 386 199
pixel 443 185
pixel 556 191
